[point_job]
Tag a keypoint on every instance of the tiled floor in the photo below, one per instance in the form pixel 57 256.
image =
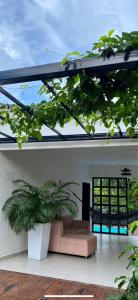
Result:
pixel 101 269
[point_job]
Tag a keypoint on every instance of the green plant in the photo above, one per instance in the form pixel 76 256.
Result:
pixel 29 205
pixel 110 99
pixel 133 194
pixel 131 292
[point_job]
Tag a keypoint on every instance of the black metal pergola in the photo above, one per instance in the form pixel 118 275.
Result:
pixel 56 70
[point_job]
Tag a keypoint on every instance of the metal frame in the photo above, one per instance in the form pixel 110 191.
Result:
pixel 56 70
pixel 27 110
pixel 67 108
pixel 68 138
pixel 9 137
pixel 109 205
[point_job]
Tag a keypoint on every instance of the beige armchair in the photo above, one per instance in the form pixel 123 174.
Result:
pixel 72 237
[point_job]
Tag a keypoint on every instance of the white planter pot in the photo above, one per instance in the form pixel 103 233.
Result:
pixel 38 241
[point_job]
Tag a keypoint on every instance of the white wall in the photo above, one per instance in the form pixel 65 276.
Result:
pixel 9 242
pixel 112 170
pixel 35 166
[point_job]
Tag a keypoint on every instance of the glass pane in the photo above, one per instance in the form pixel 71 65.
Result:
pixel 105 229
pixel 123 230
pixel 122 182
pixel 97 207
pixel 105 191
pixel 122 210
pixel 114 210
pixel 122 201
pixel 105 209
pixel 96 228
pixel 113 200
pixel 105 200
pixel 114 229
pixel 105 182
pixel 97 200
pixel 96 191
pixel 123 222
pixel 97 181
pixel 113 182
pixel 122 192
pixel 113 191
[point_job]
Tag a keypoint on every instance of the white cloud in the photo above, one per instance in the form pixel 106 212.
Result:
pixel 8 42
pixel 47 13
pixel 47 4
pixel 27 28
pixel 14 47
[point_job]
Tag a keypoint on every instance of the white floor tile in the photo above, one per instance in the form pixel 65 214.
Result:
pixel 100 269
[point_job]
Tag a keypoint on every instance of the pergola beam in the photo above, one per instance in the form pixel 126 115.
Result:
pixel 46 72
pixel 5 134
pixel 13 99
pixel 56 70
pixel 67 108
pixel 27 109
pixel 8 136
pixel 71 138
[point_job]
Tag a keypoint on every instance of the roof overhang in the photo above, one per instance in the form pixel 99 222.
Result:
pixel 85 144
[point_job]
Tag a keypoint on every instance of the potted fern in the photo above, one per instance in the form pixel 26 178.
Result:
pixel 31 208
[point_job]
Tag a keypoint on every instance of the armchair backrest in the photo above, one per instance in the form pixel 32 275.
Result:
pixel 67 221
pixel 55 233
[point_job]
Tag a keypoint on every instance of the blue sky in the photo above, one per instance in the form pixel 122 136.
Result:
pixel 29 27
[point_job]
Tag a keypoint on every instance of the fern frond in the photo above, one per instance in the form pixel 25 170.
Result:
pixel 29 205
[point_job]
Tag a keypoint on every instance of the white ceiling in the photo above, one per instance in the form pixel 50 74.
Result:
pixel 119 155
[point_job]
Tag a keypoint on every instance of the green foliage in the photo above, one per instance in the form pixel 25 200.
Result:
pixel 69 56
pixel 110 44
pixel 134 226
pixel 110 99
pixel 131 292
pixel 133 194
pixel 29 205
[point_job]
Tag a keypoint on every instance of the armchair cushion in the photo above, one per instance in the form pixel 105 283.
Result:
pixel 72 239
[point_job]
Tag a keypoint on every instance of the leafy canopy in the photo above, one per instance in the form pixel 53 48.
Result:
pixel 110 99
